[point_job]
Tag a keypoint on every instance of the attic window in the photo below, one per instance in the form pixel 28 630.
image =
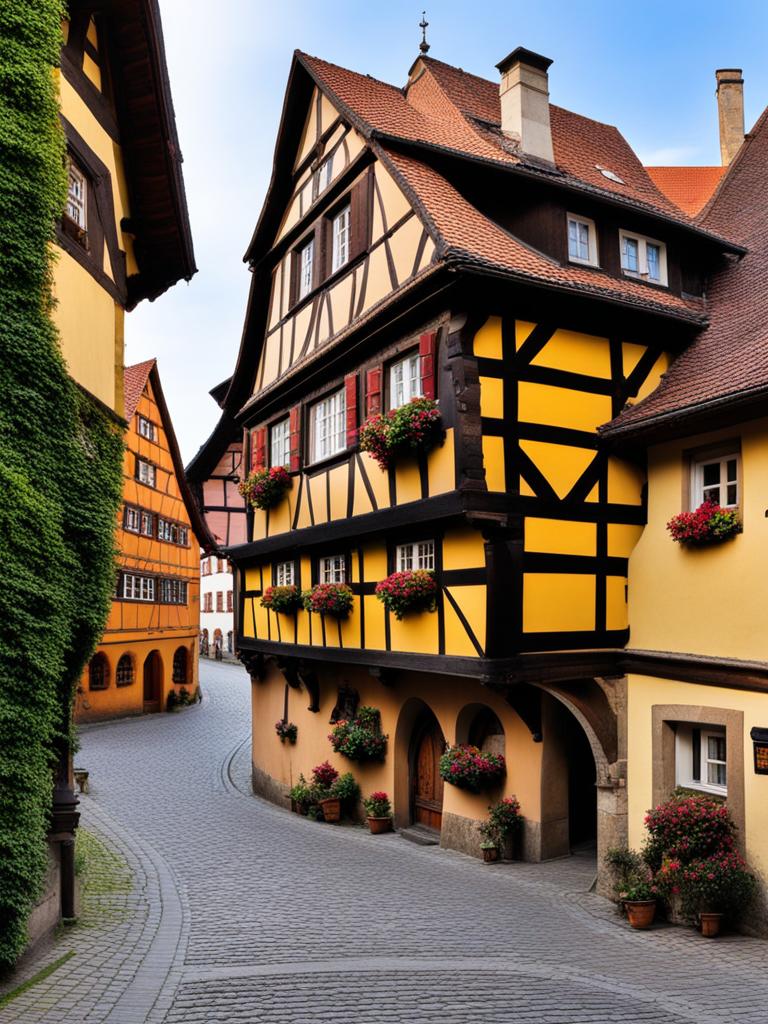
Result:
pixel 76 195
pixel 610 175
pixel 582 240
pixel 643 257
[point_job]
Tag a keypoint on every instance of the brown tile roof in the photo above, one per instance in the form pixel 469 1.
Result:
pixel 134 382
pixel 729 361
pixel 689 188
pixel 450 109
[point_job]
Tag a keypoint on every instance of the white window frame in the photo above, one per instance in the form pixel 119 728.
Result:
pixel 146 473
pixel 684 746
pixel 147 519
pixel 146 428
pixel 340 234
pixel 418 555
pixel 405 380
pixel 132 519
pixel 306 268
pixel 280 443
pixel 332 569
pixel 138 588
pixel 591 259
pixel 183 540
pixel 328 426
pixel 642 257
pixel 285 574
pixel 699 489
pixel 77 196
pixel 322 177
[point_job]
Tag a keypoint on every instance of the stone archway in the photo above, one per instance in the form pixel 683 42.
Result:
pixel 418 789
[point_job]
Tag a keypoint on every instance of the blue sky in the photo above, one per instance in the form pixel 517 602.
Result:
pixel 647 68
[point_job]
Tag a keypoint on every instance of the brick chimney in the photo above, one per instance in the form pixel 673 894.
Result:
pixel 524 95
pixel 730 107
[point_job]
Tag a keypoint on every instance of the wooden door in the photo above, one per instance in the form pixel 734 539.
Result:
pixel 427 784
pixel 152 683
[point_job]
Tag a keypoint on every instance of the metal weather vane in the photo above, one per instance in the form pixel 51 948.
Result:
pixel 424 25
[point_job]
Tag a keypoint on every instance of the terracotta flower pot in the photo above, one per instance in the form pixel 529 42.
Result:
pixel 490 854
pixel 331 809
pixel 640 912
pixel 710 923
pixel 379 825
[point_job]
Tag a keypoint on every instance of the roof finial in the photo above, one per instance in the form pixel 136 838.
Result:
pixel 424 25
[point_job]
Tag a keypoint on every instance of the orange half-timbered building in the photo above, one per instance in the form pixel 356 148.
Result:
pixel 470 243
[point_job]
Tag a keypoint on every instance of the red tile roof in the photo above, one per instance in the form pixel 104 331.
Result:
pixel 134 382
pixel 729 361
pixel 689 188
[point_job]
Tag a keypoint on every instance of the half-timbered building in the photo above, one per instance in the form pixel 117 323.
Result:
pixel 465 241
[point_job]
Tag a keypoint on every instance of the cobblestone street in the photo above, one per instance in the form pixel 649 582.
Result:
pixel 239 911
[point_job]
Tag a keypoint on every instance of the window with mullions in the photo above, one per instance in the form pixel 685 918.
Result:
pixel 582 240
pixel 76 196
pixel 147 429
pixel 420 555
pixel 98 673
pixel 328 429
pixel 124 675
pixel 701 758
pixel 284 574
pixel 716 480
pixel 145 472
pixel 173 592
pixel 280 443
pixel 147 524
pixel 404 380
pixel 138 588
pixel 340 227
pixel 332 569
pixel 306 258
pixel 643 257
pixel 180 665
pixel 322 177
pixel 132 519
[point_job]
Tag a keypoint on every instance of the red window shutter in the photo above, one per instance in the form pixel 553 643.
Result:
pixel 295 429
pixel 427 351
pixel 373 392
pixel 350 386
pixel 259 448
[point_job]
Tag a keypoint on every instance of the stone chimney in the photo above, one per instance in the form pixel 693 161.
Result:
pixel 524 95
pixel 730 107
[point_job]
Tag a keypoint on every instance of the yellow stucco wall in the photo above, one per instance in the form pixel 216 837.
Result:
pixel 644 693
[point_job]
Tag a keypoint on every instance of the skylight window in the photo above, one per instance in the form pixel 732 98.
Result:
pixel 610 175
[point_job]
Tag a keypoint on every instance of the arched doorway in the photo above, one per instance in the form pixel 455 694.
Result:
pixel 582 786
pixel 153 682
pixel 426 786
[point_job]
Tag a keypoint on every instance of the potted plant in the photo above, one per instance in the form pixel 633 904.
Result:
pixel 346 790
pixel 710 889
pixel 507 822
pixel 468 767
pixel 301 796
pixel 413 427
pixel 286 730
pixel 379 812
pixel 323 777
pixel 639 901
pixel 335 599
pixel 406 592
pixel 708 524
pixel 264 488
pixel 283 600
pixel 490 849
pixel 360 738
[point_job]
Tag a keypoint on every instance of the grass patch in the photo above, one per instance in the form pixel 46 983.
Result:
pixel 104 877
pixel 40 976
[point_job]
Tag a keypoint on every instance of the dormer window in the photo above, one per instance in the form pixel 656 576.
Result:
pixel 582 240
pixel 76 196
pixel 340 239
pixel 643 257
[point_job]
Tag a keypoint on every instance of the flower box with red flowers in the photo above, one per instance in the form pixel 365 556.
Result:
pixel 468 767
pixel 281 599
pixel 286 730
pixel 411 428
pixel 265 488
pixel 335 599
pixel 411 591
pixel 360 738
pixel 708 524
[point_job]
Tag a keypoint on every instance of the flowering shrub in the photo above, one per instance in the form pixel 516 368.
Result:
pixel 329 599
pixel 709 524
pixel 286 730
pixel 411 591
pixel 470 768
pixel 377 805
pixel 281 599
pixel 264 488
pixel 324 775
pixel 720 883
pixel 503 820
pixel 326 783
pixel 686 828
pixel 415 426
pixel 360 738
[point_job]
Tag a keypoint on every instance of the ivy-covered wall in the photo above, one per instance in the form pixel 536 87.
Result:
pixel 60 470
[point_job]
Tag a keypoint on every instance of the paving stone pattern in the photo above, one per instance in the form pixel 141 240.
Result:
pixel 243 912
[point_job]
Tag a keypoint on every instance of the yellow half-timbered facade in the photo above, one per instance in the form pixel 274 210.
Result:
pixel 532 282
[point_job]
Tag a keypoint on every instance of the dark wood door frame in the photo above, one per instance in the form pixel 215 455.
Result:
pixel 425 725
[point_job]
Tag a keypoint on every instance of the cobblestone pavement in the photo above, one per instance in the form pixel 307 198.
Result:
pixel 241 912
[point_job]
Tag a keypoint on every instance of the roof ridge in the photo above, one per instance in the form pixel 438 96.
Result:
pixel 348 71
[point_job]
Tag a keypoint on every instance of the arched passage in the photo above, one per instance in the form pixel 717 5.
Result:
pixel 419 744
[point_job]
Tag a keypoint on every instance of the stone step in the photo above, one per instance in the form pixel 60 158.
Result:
pixel 420 835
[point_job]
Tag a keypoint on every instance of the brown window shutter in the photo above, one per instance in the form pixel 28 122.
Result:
pixel 245 462
pixel 373 392
pixel 360 214
pixel 427 352
pixel 350 387
pixel 295 429
pixel 259 448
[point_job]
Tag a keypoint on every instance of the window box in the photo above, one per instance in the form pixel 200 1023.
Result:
pixel 283 600
pixel 708 524
pixel 406 592
pixel 265 488
pixel 468 767
pixel 334 599
pixel 415 427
